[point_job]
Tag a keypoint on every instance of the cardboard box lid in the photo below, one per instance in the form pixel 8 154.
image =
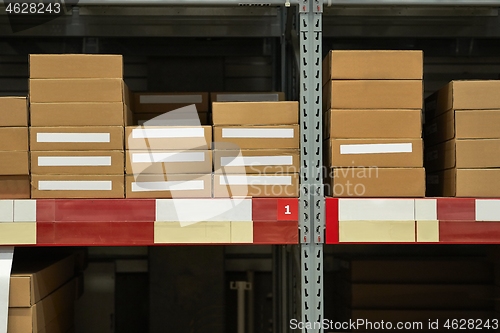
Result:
pixel 13 111
pixel 255 113
pixel 159 102
pixel 14 163
pixel 169 186
pixel 256 137
pixel 14 187
pixel 477 124
pixel 476 183
pixel 257 161
pixel 13 138
pixel 168 161
pixel 78 162
pixel 247 96
pixel 237 185
pixel 66 66
pixel 378 64
pixel 168 137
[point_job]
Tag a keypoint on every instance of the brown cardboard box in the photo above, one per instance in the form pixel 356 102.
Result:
pixel 390 153
pixel 471 183
pixel 247 96
pixel 160 102
pixel 168 137
pixel 463 95
pixel 257 161
pixel 256 137
pixel 255 113
pixel 80 114
pixel 64 321
pixel 76 90
pixel 79 66
pixel 164 119
pixel 13 138
pixel 373 124
pixel 14 187
pixel 169 162
pixel 169 186
pixel 77 162
pixel 14 163
pixel 77 186
pixel 373 65
pixel 13 111
pixel 31 281
pixel 76 138
pixel 234 185
pixel 373 94
pixel 376 182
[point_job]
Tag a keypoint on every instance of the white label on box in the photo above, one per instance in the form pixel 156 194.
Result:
pixel 258 133
pixel 73 137
pixel 48 161
pixel 247 98
pixel 189 185
pixel 487 210
pixel 166 133
pixel 170 99
pixel 256 160
pixel 376 148
pixel 168 157
pixel 255 180
pixel 75 185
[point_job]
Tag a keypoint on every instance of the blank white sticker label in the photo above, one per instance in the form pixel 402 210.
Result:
pixel 247 98
pixel 170 99
pixel 191 185
pixel 75 185
pixel 73 137
pixel 48 161
pixel 255 180
pixel 258 133
pixel 168 157
pixel 166 133
pixel 379 148
pixel 256 160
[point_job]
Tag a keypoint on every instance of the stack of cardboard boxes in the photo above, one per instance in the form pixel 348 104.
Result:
pixel 256 149
pixel 79 105
pixel 372 110
pixel 462 140
pixel 14 160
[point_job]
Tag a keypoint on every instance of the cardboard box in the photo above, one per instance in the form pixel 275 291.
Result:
pixel 71 66
pixel 247 96
pixel 77 186
pixel 168 137
pixel 257 161
pixel 256 137
pixel 14 163
pixel 76 90
pixel 373 94
pixel 169 162
pixel 373 65
pixel 13 138
pixel 255 113
pixel 13 111
pixel 15 187
pixel 160 102
pixel 80 114
pixel 376 182
pixel 166 119
pixel 390 153
pixel 463 95
pixel 31 281
pixel 233 185
pixel 373 124
pixel 469 183
pixel 77 162
pixel 76 138
pixel 169 186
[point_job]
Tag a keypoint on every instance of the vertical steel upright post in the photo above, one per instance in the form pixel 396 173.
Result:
pixel 312 211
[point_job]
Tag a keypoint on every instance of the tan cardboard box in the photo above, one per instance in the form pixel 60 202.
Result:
pixel 376 182
pixel 77 162
pixel 373 65
pixel 14 187
pixel 169 162
pixel 373 124
pixel 234 185
pixel 255 113
pixel 247 96
pixel 463 95
pixel 256 137
pixel 13 111
pixel 480 183
pixel 75 66
pixel 165 119
pixel 76 138
pixel 80 114
pixel 373 94
pixel 169 186
pixel 13 138
pixel 168 137
pixel 77 186
pixel 76 90
pixel 160 102
pixel 384 153
pixel 14 163
pixel 257 161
